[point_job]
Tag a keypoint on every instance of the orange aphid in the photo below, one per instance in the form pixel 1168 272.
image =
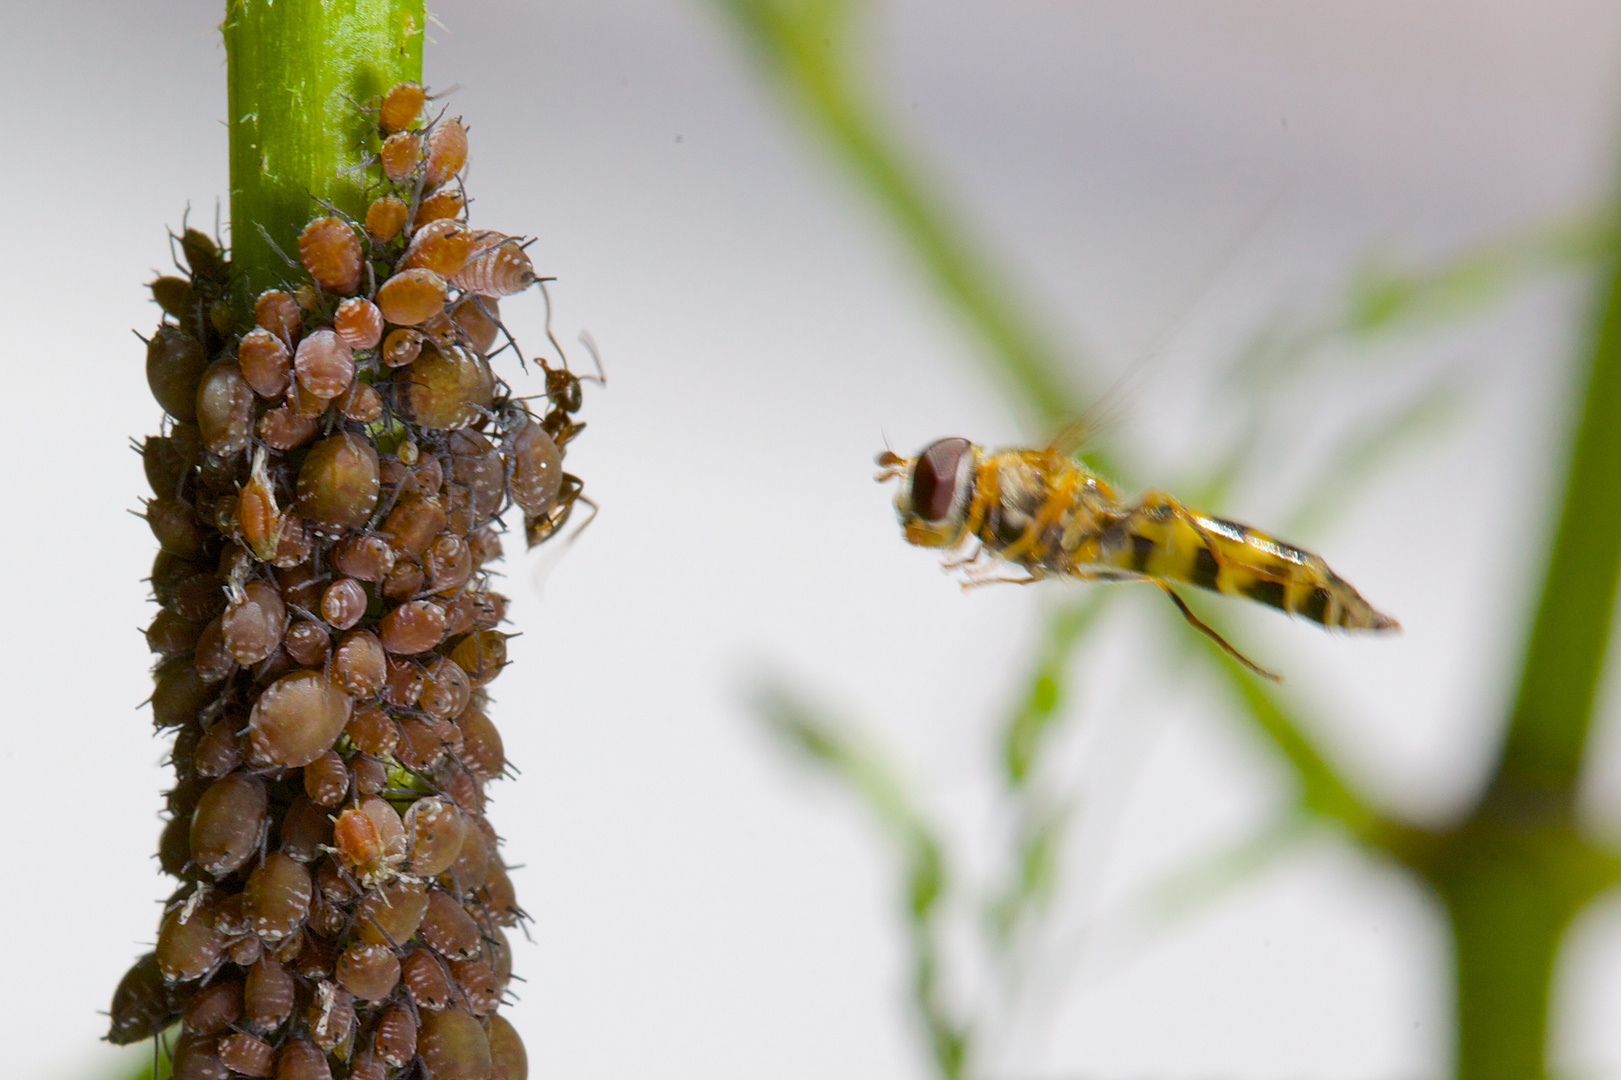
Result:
pixel 498 269
pixel 279 313
pixel 441 204
pixel 442 246
pixel 447 151
pixel 411 297
pixel 358 322
pixel 330 251
pixel 479 318
pixel 401 347
pixel 265 362
pixel 400 154
pixel 325 364
pixel 386 217
pixel 401 107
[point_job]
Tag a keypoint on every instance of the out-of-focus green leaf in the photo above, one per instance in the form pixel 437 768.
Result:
pixel 1027 726
pixel 1195 887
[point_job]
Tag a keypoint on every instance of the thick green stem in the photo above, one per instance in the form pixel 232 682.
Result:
pixel 296 69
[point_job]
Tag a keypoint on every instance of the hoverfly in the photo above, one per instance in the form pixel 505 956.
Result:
pixel 1046 515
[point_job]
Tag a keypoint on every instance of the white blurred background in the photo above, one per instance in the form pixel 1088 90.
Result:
pixel 704 906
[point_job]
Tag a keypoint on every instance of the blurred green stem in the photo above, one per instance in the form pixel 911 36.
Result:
pixel 296 70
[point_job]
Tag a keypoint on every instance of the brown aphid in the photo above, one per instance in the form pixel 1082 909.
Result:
pixel 386 217
pixel 373 731
pixel 301 1059
pixel 174 846
pixel 447 151
pixel 395 1041
pixel 267 995
pixel 296 719
pixel 434 831
pixel 143 1005
pixel 296 543
pixel 401 107
pixel 413 523
pixel 175 362
pixel 371 776
pixel 486 546
pixel 411 297
pixel 448 929
pixel 421 746
pixel 175 528
pixel 244 951
pixel 308 643
pixel 453 1046
pixel 461 611
pixel 229 820
pixel 358 323
pixel 218 753
pixel 481 991
pixel 414 627
pixel 359 664
pixel 253 622
pixel 265 361
pixel 404 580
pixel 364 556
pixel 278 892
pixel 247 1055
pixel 199 597
pixel 338 484
pixel 193 1058
pixel 448 563
pixel 499 896
pixel 224 409
pixel 368 1066
pixel 169 633
pixel 478 482
pixel 305 830
pixel 325 364
pixel 479 320
pixel 496 269
pixel 210 658
pixel 438 329
pixel 467 873
pixel 331 1016
pixel 303 403
pixel 214 1008
pixel 326 780
pixel 174 295
pixel 369 972
pixel 508 1061
pixel 442 246
pixel 446 690
pixel 482 655
pixel 279 313
pixel 229 915
pixel 404 686
pixel 444 203
pixel 426 980
pixel 283 429
pixel 178 695
pixel 362 404
pixel 400 154
pixel 203 255
pixel 168 460
pixel 391 913
pixel 401 347
pixel 343 604
pixel 536 470
pixel 330 251
pixel 370 839
pixel 188 948
pixel 450 388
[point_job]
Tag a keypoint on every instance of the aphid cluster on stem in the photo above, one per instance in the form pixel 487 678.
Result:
pixel 327 495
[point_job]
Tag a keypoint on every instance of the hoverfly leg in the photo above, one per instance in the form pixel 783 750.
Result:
pixel 1203 628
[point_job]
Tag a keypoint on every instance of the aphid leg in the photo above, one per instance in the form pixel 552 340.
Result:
pixel 1209 632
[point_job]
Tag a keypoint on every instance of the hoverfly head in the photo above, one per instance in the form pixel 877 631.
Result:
pixel 936 489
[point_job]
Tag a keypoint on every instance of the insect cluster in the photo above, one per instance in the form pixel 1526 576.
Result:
pixel 326 497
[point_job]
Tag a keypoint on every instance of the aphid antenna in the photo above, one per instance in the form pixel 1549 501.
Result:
pixel 277 249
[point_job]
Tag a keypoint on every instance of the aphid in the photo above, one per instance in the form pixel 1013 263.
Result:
pixel 447 151
pixel 326 780
pixel 369 972
pixel 330 251
pixel 193 1058
pixel 447 389
pixel 278 892
pixel 414 627
pixel 391 913
pixel 359 664
pixel 142 1004
pixel 536 470
pixel 372 730
pixel 453 1046
pixel 209 658
pixel 188 948
pixel 228 823
pixel 265 362
pixel 174 295
pixel 442 246
pixel 479 319
pixel 325 364
pixel 446 689
pixel 283 429
pixel 203 255
pixel 421 746
pixel 413 523
pixel 480 989
pixel 277 312
pixel 338 483
pixel 401 347
pixel 247 1055
pixel 306 831
pixel 482 750
pixel 425 978
pixel 411 297
pixel 386 217
pixel 363 404
pixel 499 268
pixel 471 865
pixel 396 1038
pixel 448 563
pixel 253 622
pixel 1045 515
pixel 343 604
pixel 296 719
pixel 364 556
pixel 401 107
pixel 215 1008
pixel 358 322
pixel 508 1061
pixel 301 1059
pixel 400 153
pixel 267 995
pixel 443 203
pixel 175 362
pixel 177 532
pixel 434 831
pixel 448 929
pixel 224 409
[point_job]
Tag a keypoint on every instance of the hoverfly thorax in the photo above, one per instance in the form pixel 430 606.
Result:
pixel 935 493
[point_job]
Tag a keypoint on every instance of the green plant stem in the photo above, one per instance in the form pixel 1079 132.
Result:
pixel 296 69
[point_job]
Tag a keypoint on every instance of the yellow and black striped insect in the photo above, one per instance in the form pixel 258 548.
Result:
pixel 1046 515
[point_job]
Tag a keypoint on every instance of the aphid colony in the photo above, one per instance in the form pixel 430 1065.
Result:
pixel 326 496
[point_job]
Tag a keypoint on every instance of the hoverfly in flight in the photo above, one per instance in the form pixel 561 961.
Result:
pixel 1045 514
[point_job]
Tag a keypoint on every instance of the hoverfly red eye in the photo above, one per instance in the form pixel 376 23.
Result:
pixel 934 479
